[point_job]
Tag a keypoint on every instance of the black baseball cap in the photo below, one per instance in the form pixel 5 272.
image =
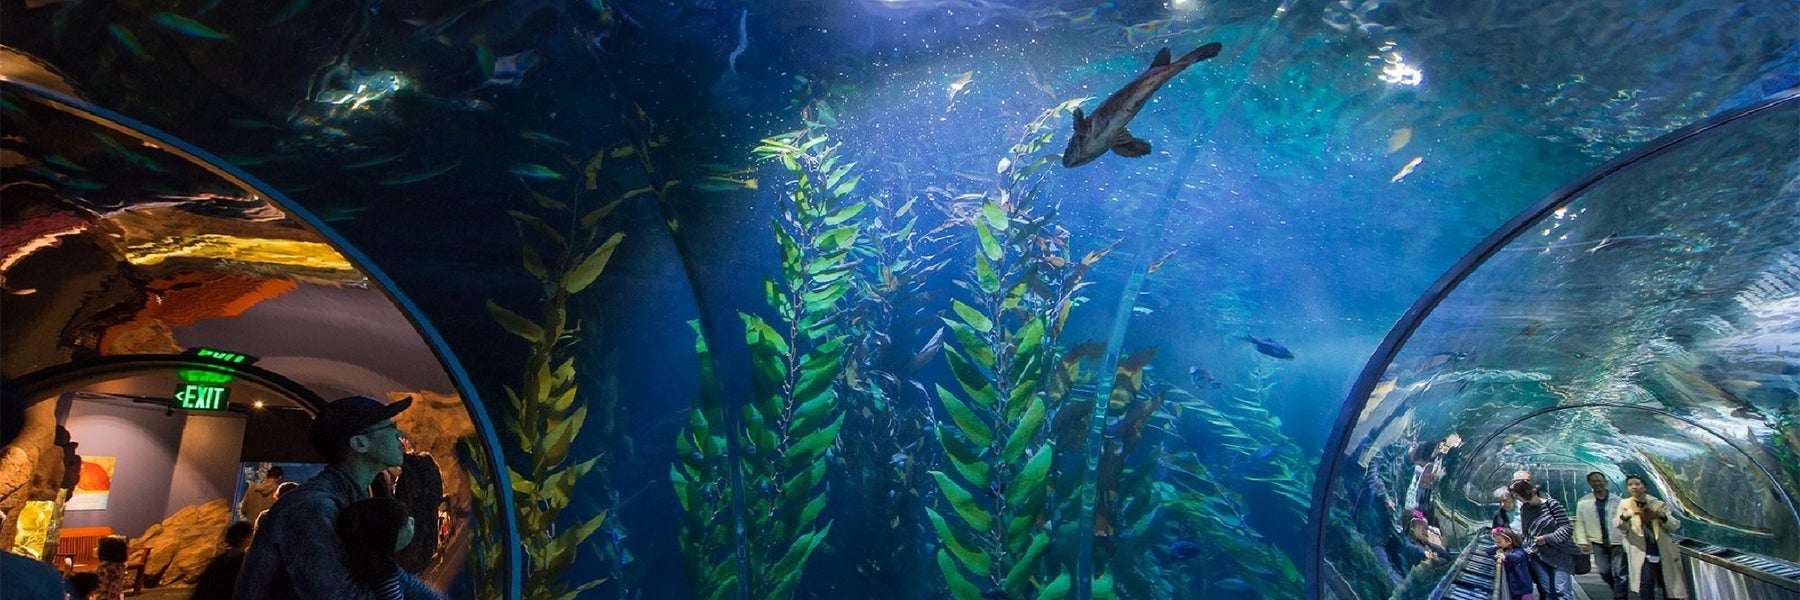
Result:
pixel 345 417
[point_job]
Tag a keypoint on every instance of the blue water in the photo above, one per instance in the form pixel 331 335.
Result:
pixel 1344 155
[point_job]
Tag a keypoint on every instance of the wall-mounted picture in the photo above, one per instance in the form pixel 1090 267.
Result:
pixel 95 485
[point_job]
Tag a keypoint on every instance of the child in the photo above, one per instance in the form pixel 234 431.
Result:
pixel 1509 558
pixel 373 530
pixel 112 552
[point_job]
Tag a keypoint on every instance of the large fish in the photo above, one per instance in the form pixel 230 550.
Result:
pixel 1105 129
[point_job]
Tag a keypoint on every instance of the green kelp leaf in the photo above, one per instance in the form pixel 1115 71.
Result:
pixel 585 273
pixel 967 461
pixel 811 512
pixel 1029 338
pixel 973 382
pixel 519 326
pixel 994 215
pixel 594 217
pixel 837 239
pixel 954 541
pixel 534 222
pixel 726 589
pixel 1057 589
pixel 973 317
pixel 534 264
pixel 1020 574
pixel 560 436
pixel 820 368
pixel 816 441
pixel 985 277
pixel 972 343
pixel 1026 431
pixel 1103 586
pixel 971 424
pixel 797 554
pixel 1019 399
pixel 758 331
pixel 1014 296
pixel 802 483
pixel 846 186
pixel 960 588
pixel 990 247
pixel 814 409
pixel 1030 481
pixel 845 213
pixel 964 503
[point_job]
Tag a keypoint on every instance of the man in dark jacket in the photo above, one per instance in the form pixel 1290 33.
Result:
pixel 297 553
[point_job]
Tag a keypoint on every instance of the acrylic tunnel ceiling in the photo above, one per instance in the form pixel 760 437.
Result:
pixel 1643 325
pixel 1303 189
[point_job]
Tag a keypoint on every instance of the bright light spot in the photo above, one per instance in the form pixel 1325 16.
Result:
pixel 1394 70
pixel 1560 212
pixel 257 404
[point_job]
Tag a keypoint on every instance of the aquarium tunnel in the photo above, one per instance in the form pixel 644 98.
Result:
pixel 881 298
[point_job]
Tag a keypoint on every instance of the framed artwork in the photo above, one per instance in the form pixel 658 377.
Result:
pixel 95 485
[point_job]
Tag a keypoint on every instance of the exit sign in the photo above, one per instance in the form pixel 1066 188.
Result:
pixel 200 396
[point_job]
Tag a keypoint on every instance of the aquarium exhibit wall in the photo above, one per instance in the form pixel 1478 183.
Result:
pixel 882 298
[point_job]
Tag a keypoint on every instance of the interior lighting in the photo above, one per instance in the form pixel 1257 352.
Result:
pixel 256 404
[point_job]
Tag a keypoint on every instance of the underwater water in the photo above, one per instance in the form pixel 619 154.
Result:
pixel 811 306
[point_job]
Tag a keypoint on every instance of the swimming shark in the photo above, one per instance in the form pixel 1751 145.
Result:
pixel 1105 129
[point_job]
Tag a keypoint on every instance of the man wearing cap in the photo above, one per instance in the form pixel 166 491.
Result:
pixel 297 553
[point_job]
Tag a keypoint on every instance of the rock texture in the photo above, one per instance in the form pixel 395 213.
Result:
pixel 183 544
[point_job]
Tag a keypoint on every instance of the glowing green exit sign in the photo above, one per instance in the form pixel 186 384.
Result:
pixel 223 356
pixel 201 396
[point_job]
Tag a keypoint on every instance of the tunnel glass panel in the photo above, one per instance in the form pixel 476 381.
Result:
pixel 131 259
pixel 1643 325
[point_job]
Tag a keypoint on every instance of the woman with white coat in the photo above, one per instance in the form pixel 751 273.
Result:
pixel 1650 551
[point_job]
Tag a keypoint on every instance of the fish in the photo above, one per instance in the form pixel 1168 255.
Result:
pixel 373 161
pixel 419 176
pixel 1268 347
pixel 188 27
pixel 293 9
pixel 542 138
pixel 509 70
pixel 127 39
pixel 1183 550
pixel 534 171
pixel 1401 137
pixel 1105 129
pixel 1202 379
pixel 1407 170
pixel 1232 585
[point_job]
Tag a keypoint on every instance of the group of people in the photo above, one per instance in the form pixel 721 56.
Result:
pixel 1537 545
pixel 327 538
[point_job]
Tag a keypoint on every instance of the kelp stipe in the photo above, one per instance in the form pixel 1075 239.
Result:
pixel 546 413
pixel 996 533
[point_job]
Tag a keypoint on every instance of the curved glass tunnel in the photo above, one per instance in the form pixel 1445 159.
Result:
pixel 778 299
pixel 124 281
pixel 1634 324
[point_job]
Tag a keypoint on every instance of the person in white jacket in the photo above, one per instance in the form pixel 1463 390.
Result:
pixel 1597 530
pixel 1655 559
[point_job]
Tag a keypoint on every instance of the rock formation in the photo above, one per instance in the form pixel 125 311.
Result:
pixel 183 544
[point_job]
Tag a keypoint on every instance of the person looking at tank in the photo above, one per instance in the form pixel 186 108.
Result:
pixel 297 553
pixel 1552 550
pixel 1654 558
pixel 260 496
pixel 1597 532
pixel 1508 514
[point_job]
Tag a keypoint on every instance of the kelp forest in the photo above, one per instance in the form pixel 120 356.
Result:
pixel 917 421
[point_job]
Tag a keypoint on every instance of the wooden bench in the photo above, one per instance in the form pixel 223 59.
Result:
pixel 75 547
